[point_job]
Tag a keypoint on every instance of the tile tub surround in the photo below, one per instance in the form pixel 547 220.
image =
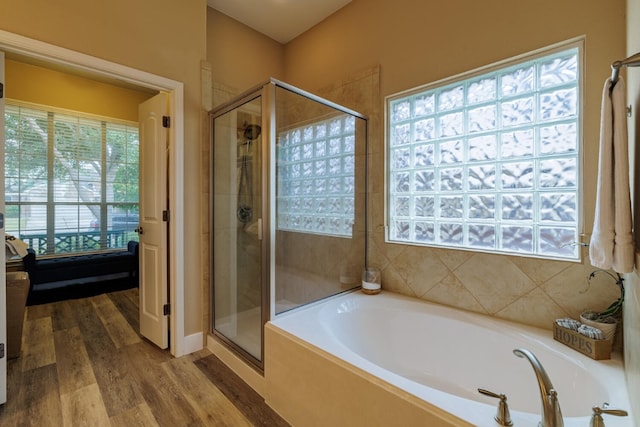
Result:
pixel 526 290
pixel 411 357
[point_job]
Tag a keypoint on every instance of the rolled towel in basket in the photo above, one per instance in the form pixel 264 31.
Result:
pixel 568 323
pixel 591 332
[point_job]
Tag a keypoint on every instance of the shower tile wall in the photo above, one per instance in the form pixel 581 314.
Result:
pixel 525 290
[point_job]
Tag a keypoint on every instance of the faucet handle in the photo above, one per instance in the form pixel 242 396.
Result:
pixel 596 418
pixel 503 417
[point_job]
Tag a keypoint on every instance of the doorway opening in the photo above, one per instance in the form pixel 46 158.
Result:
pixel 74 62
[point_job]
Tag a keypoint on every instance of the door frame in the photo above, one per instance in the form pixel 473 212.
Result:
pixel 4 326
pixel 10 42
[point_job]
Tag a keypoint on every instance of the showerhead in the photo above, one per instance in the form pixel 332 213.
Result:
pixel 252 132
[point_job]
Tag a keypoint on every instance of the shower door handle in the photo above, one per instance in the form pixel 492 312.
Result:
pixel 259 228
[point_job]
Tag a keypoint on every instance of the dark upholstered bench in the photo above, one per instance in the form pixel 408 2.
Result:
pixel 59 272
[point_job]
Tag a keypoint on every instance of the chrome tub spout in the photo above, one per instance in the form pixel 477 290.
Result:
pixel 551 414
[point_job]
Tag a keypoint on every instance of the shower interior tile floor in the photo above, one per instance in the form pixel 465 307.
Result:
pixel 83 362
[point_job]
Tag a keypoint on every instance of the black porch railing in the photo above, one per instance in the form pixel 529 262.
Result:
pixel 79 241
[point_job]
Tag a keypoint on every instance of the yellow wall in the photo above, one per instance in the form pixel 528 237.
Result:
pixel 240 57
pixel 38 85
pixel 163 37
pixel 418 42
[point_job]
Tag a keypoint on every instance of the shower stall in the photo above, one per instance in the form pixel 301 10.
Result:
pixel 288 203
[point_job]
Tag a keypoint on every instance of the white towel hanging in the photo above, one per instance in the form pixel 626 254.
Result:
pixel 611 243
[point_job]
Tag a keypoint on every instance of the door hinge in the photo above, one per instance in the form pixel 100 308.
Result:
pixel 165 216
pixel 1 350
pixel 1 90
pixel 166 121
pixel 166 309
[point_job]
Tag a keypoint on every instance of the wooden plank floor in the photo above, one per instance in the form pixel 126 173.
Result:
pixel 83 363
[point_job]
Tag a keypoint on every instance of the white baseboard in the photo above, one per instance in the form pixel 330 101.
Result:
pixel 193 343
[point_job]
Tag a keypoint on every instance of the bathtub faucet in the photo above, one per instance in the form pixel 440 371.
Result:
pixel 551 414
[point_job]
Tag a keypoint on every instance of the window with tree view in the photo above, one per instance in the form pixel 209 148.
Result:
pixel 71 182
pixel 490 162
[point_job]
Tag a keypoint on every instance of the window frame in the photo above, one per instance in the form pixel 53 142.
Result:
pixel 51 244
pixel 508 63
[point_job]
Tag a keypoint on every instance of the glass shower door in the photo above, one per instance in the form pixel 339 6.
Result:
pixel 237 228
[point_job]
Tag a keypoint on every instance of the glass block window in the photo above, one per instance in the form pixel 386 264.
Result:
pixel 489 162
pixel 316 177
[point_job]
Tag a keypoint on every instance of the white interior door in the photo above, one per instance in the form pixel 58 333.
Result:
pixel 3 278
pixel 153 228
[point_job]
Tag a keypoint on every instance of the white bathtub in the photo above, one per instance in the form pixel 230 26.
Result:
pixel 442 356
